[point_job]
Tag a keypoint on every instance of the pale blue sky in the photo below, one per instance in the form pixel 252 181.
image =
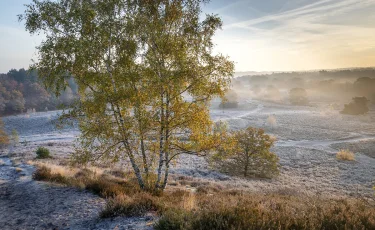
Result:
pixel 259 35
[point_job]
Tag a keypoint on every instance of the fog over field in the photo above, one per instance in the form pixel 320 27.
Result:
pixel 308 138
pixel 187 114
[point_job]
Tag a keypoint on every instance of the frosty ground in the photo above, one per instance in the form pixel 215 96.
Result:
pixel 308 138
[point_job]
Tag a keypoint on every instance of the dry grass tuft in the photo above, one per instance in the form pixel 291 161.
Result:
pixel 123 205
pixel 45 174
pixel 345 155
pixel 213 207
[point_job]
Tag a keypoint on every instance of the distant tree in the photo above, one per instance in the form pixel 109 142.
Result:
pixel 364 86
pixel 296 82
pixel 272 93
pixel 10 84
pixel 298 96
pixel 256 89
pixel 258 79
pixel 16 102
pixel 230 100
pixel 249 156
pixel 35 96
pixel 4 139
pixel 357 107
pixel 22 75
pixel 4 97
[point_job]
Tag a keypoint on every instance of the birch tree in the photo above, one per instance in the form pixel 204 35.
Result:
pixel 146 74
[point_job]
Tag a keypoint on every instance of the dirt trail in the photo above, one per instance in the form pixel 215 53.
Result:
pixel 27 204
pixel 323 145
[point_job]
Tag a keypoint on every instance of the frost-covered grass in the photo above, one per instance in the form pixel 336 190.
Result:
pixel 210 206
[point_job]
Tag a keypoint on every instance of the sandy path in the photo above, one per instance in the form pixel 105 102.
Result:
pixel 28 204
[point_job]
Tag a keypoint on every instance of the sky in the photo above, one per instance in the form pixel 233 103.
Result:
pixel 258 35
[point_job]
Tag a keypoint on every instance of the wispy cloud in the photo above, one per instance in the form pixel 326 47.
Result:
pixel 325 33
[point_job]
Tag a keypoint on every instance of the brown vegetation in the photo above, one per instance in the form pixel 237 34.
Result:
pixel 253 211
pixel 4 139
pixel 345 155
pixel 211 207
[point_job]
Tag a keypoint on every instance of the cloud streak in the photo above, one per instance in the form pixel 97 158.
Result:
pixel 325 33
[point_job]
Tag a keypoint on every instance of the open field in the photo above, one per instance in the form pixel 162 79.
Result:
pixel 308 139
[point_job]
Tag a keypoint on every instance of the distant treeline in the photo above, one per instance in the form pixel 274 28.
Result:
pixel 20 91
pixel 334 84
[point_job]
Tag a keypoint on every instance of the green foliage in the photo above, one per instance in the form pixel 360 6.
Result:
pixel 134 62
pixel 249 155
pixel 298 96
pixel 43 153
pixel 357 107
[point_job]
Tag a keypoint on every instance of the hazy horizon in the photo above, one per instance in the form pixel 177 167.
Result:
pixel 272 36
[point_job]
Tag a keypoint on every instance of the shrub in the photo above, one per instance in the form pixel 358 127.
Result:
pixel 42 153
pixel 45 174
pixel 104 188
pixel 345 155
pixel 357 107
pixel 123 205
pixel 250 156
pixel 225 209
pixel 4 139
pixel 298 96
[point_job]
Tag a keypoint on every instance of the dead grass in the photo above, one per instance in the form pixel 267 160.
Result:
pixel 123 205
pixel 254 211
pixel 210 206
pixel 345 155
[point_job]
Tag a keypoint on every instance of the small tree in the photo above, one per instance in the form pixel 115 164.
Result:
pixel 4 139
pixel 298 96
pixel 356 107
pixel 249 156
